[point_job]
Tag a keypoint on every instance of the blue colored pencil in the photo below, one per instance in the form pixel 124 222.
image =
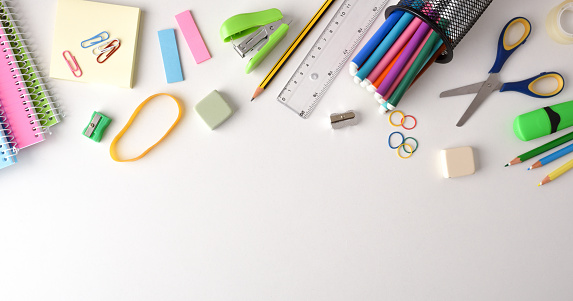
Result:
pixel 374 41
pixel 383 47
pixel 554 156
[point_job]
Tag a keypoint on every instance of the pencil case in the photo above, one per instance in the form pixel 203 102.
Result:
pixel 544 121
pixel 452 19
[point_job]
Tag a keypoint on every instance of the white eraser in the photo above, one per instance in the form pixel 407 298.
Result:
pixel 458 162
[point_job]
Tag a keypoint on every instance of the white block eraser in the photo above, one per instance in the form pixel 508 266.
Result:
pixel 458 162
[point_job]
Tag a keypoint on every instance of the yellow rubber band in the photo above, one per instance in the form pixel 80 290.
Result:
pixel 405 144
pixel 112 150
pixel 390 118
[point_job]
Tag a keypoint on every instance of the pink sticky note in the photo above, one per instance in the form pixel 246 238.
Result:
pixel 192 36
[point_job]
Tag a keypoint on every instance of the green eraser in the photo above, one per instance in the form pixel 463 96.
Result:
pixel 97 126
pixel 213 109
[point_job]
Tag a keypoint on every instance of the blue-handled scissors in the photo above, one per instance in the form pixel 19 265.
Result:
pixel 485 88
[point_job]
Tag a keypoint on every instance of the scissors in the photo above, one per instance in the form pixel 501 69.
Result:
pixel 485 88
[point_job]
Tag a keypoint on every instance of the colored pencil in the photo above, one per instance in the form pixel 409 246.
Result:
pixel 292 48
pixel 374 41
pixel 383 47
pixel 540 150
pixel 557 173
pixel 554 156
pixel 405 58
pixel 400 42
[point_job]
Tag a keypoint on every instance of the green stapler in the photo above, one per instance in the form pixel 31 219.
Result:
pixel 266 29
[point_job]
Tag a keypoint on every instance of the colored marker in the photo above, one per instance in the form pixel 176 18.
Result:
pixel 400 42
pixel 407 67
pixel 372 88
pixel 374 41
pixel 383 47
pixel 440 48
pixel 411 74
pixel 554 156
pixel 557 173
pixel 404 58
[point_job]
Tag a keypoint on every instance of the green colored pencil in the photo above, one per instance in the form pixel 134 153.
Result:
pixel 540 150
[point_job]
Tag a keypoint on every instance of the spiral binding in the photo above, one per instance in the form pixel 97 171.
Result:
pixel 8 149
pixel 47 110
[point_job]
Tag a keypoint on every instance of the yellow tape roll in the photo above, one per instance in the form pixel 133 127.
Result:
pixel 553 23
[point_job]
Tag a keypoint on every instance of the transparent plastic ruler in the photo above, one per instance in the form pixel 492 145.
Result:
pixel 329 54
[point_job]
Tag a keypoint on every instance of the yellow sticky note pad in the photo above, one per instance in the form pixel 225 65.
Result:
pixel 458 162
pixel 77 21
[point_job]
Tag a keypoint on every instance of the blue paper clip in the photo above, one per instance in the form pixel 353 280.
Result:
pixel 98 38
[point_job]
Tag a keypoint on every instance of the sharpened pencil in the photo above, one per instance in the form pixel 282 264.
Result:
pixel 540 150
pixel 292 48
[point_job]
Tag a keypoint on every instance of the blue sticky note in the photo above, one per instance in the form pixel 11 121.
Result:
pixel 170 55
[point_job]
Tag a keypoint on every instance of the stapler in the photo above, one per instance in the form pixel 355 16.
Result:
pixel 266 29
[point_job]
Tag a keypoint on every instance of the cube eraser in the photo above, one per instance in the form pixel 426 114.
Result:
pixel 458 162
pixel 213 109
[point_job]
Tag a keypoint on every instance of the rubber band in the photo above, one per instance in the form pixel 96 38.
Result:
pixel 409 154
pixel 390 118
pixel 404 149
pixel 390 137
pixel 404 121
pixel 112 150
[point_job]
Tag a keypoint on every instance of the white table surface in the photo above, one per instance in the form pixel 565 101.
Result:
pixel 273 207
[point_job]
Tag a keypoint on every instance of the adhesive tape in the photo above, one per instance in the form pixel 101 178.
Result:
pixel 553 23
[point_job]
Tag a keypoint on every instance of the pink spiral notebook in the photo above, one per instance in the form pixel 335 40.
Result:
pixel 19 111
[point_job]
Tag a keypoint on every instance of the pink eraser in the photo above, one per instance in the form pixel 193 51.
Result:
pixel 192 36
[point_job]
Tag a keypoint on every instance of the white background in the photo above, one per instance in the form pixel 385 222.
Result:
pixel 273 207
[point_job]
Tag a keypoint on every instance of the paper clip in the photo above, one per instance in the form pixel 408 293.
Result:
pixel 95 39
pixel 76 67
pixel 103 48
pixel 108 50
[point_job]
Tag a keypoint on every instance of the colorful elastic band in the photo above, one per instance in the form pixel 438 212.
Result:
pixel 404 120
pixel 112 150
pixel 403 148
pixel 390 137
pixel 390 118
pixel 404 145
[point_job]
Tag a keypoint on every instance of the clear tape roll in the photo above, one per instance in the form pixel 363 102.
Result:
pixel 553 23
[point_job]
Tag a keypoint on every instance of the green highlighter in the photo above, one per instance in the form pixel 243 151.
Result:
pixel 544 121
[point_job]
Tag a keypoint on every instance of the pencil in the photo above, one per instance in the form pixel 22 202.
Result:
pixel 554 156
pixel 540 150
pixel 292 48
pixel 557 173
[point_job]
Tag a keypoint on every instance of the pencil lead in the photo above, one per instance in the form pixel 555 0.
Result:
pixel 529 168
pixel 252 99
pixel 506 165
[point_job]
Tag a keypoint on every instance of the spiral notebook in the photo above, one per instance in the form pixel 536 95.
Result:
pixel 27 109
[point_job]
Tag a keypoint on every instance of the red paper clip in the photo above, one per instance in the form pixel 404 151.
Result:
pixel 112 49
pixel 75 68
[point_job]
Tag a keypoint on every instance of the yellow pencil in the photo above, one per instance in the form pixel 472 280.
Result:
pixel 556 173
pixel 292 48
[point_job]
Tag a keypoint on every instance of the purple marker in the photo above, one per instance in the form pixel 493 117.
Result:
pixel 403 59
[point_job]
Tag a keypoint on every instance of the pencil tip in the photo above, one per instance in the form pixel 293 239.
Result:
pixel 538 184
pixel 506 165
pixel 252 99
pixel 529 168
